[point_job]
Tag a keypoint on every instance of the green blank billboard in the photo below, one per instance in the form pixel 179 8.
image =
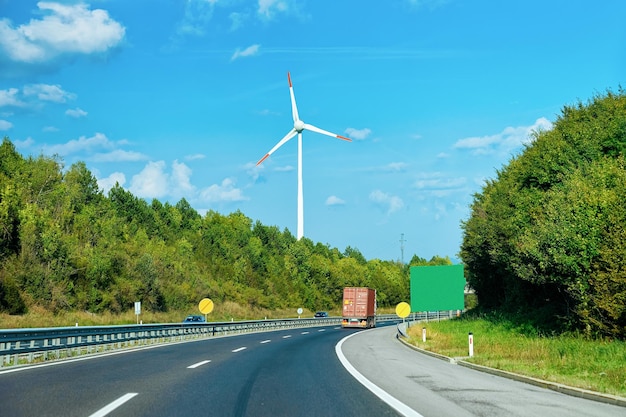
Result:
pixel 435 288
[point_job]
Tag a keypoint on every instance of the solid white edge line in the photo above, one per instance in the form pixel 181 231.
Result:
pixel 394 403
pixel 106 410
pixel 94 356
pixel 195 365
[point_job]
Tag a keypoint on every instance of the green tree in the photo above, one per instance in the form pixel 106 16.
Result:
pixel 544 236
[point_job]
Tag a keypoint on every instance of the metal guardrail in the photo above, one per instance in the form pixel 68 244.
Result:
pixel 19 346
pixel 424 317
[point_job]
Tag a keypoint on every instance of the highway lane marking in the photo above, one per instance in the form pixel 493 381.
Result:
pixel 393 402
pixel 305 332
pixel 287 336
pixel 321 330
pixel 239 349
pixel 195 365
pixel 106 410
pixel 266 341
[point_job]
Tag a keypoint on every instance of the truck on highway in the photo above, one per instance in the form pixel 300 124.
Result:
pixel 359 307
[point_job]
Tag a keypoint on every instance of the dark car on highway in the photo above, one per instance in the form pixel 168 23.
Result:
pixel 194 319
pixel 321 315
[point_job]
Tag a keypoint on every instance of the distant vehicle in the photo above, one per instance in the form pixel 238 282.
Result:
pixel 359 307
pixel 194 319
pixel 321 315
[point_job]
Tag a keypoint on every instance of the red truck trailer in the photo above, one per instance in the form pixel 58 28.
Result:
pixel 359 307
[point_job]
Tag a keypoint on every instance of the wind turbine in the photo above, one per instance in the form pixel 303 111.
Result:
pixel 298 127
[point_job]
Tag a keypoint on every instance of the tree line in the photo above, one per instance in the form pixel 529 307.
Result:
pixel 66 246
pixel 546 239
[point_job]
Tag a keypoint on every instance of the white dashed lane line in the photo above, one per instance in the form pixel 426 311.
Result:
pixel 112 406
pixel 195 365
pixel 117 403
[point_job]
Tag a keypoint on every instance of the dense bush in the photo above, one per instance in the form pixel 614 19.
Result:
pixel 547 237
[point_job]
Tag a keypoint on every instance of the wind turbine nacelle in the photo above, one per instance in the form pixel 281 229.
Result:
pixel 298 125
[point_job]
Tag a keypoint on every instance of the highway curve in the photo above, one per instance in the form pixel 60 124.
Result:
pixel 431 387
pixel 281 373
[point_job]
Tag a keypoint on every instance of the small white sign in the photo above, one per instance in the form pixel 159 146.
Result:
pixel 300 310
pixel 137 308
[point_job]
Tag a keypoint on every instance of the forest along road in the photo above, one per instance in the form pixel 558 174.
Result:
pixel 281 373
pixel 430 387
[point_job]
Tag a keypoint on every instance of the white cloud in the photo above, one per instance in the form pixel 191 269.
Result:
pixel 334 201
pixel 392 167
pixel 438 185
pixel 105 184
pixel 195 157
pixel 82 144
pixel 253 170
pixel 118 155
pixel 47 92
pixel 509 139
pixel 358 134
pixel 180 179
pixel 155 181
pixel 390 203
pixel 249 51
pixel 267 112
pixel 76 113
pixel 236 20
pixel 198 13
pixel 24 144
pixel 269 8
pixel 5 125
pixel 286 168
pixel 34 95
pixel 64 29
pixel 396 167
pixel 9 98
pixel 151 182
pixel 97 148
pixel 224 192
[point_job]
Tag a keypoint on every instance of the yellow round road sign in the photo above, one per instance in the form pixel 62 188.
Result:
pixel 403 310
pixel 205 306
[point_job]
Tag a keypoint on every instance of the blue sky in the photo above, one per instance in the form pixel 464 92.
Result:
pixel 175 99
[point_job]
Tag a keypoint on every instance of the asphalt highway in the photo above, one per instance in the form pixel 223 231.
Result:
pixel 280 373
pixel 321 371
pixel 421 385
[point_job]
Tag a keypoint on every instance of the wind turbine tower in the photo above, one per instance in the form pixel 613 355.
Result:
pixel 298 127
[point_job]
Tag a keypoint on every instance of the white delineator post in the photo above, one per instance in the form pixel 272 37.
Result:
pixel 470 338
pixel 423 334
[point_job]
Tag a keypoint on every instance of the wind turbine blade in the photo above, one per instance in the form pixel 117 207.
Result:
pixel 325 132
pixel 294 108
pixel 288 136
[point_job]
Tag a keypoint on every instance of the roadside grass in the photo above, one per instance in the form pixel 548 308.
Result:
pixel 569 359
pixel 38 317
